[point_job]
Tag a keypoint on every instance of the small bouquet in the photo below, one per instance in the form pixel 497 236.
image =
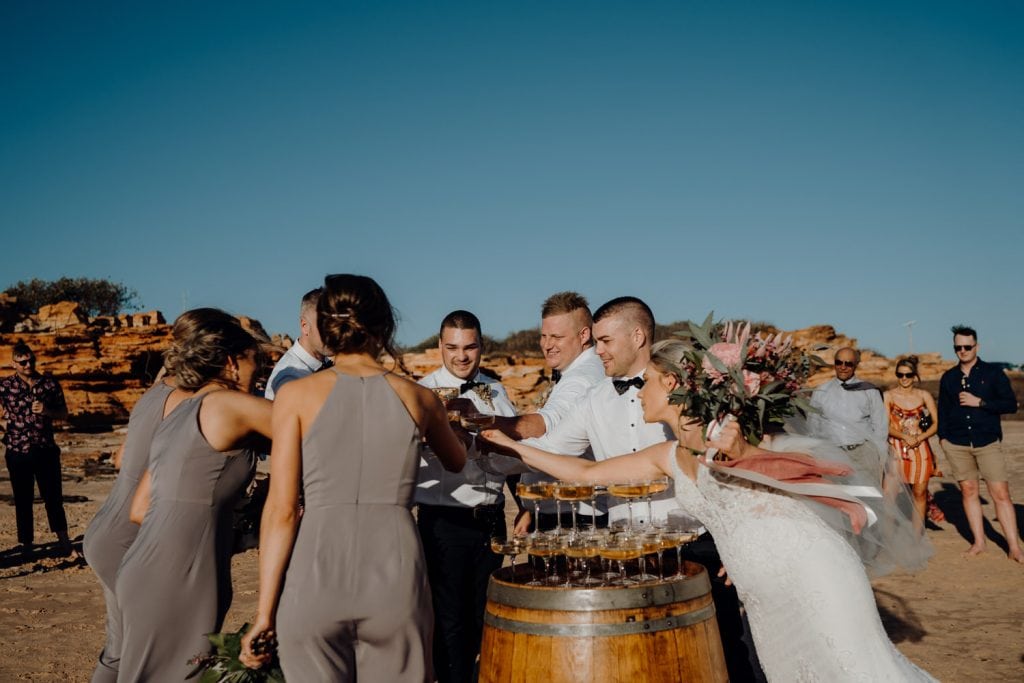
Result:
pixel 223 665
pixel 759 380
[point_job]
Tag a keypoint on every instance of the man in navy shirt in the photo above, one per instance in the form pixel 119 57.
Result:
pixel 972 396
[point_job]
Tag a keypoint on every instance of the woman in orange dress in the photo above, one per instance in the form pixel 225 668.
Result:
pixel 913 419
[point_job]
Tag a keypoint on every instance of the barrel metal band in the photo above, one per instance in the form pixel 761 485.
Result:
pixel 599 599
pixel 590 630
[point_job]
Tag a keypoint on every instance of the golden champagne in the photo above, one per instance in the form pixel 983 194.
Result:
pixel 540 490
pixel 621 553
pixel 629 490
pixel 565 491
pixel 509 547
pixel 657 487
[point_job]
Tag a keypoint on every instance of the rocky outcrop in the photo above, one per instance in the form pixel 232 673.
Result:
pixel 106 363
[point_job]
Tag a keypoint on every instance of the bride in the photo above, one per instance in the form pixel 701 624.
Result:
pixel 811 609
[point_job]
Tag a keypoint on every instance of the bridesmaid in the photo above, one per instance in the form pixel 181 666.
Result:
pixel 111 532
pixel 174 584
pixel 350 579
pixel 908 440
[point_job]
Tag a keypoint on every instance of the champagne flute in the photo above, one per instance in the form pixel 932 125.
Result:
pixel 536 491
pixel 656 486
pixel 670 540
pixel 510 547
pixel 544 546
pixel 629 491
pixel 622 547
pixel 573 492
pixel 582 547
pixel 446 394
pixel 650 542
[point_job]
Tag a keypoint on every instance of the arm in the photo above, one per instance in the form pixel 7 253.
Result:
pixel 450 451
pixel 228 418
pixel 140 501
pixel 1003 400
pixel 929 404
pixel 280 521
pixel 893 431
pixel 649 463
pixel 116 458
pixel 946 404
pixel 522 427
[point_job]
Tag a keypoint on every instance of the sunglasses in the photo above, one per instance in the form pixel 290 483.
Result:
pixel 846 363
pixel 962 347
pixel 904 375
pixel 25 362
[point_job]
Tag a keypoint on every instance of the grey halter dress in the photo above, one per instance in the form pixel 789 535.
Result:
pixel 355 601
pixel 174 585
pixel 111 532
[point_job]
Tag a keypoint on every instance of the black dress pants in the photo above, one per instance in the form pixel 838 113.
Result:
pixel 457 547
pixel 41 466
pixel 740 657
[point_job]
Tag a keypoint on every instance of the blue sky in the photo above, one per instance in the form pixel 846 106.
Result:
pixel 858 164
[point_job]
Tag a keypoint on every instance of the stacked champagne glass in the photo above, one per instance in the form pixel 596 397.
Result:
pixel 593 556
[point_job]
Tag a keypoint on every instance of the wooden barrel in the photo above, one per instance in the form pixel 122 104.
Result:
pixel 655 632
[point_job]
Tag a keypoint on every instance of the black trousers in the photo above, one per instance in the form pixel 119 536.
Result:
pixel 457 547
pixel 41 466
pixel 740 656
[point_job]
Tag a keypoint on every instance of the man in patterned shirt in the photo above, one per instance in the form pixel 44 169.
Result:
pixel 30 402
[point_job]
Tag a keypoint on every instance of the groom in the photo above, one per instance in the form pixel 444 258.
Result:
pixel 610 421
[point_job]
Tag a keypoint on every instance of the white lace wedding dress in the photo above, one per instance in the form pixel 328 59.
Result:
pixel 811 609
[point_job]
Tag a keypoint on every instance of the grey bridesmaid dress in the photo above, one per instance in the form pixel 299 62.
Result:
pixel 174 585
pixel 110 533
pixel 355 601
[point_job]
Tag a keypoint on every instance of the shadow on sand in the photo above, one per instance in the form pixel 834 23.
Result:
pixel 45 557
pixel 900 622
pixel 949 501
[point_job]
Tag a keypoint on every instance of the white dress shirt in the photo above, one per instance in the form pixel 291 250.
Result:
pixel 610 424
pixel 577 379
pixel 849 417
pixel 472 486
pixel 296 363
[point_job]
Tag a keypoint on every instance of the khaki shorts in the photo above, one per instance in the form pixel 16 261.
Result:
pixel 967 462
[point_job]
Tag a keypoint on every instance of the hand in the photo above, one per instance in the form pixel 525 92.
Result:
pixel 521 527
pixel 722 572
pixel 262 629
pixel 496 441
pixel 911 441
pixel 37 407
pixel 969 399
pixel 730 441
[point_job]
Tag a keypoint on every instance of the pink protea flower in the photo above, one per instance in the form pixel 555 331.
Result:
pixel 729 354
pixel 751 382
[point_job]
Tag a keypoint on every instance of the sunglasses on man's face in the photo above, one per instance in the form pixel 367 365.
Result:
pixel 904 375
pixel 25 362
pixel 962 347
pixel 846 363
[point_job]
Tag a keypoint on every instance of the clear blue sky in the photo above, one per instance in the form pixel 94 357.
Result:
pixel 859 164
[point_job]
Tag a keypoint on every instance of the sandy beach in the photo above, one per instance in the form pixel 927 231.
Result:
pixel 962 618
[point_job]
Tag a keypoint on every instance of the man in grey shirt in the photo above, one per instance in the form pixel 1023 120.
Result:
pixel 852 416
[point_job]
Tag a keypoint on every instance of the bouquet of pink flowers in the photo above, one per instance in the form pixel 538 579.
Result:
pixel 758 379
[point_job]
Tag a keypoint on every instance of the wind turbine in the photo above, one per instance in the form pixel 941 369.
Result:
pixel 910 333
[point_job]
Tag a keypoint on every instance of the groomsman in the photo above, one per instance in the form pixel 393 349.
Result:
pixel 460 512
pixel 567 342
pixel 306 355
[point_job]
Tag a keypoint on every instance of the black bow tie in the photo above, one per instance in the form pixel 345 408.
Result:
pixel 556 375
pixel 328 363
pixel 468 386
pixel 623 385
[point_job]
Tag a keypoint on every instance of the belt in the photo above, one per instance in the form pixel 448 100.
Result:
pixel 478 512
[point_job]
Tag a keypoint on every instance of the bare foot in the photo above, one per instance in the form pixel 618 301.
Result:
pixel 1017 556
pixel 973 551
